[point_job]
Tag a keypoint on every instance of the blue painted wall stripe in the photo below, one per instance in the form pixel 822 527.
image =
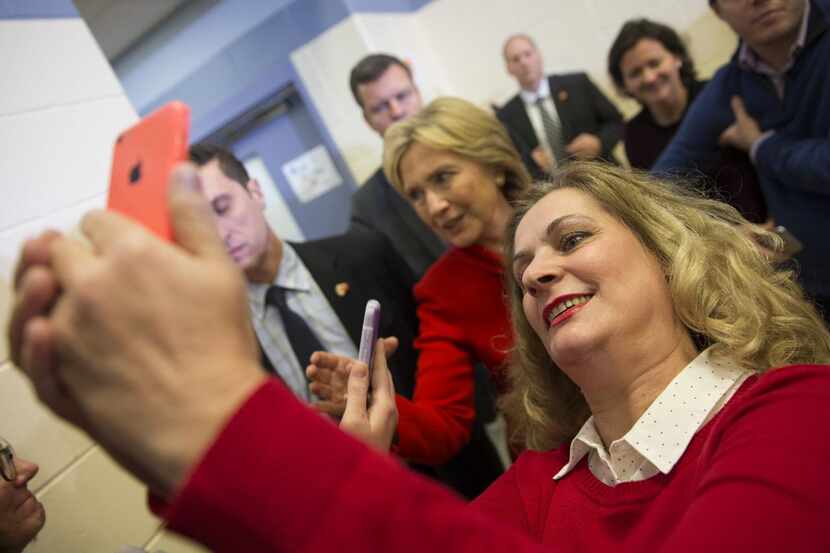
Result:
pixel 37 9
pixel 386 6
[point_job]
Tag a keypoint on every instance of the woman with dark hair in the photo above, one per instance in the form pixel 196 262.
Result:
pixel 649 63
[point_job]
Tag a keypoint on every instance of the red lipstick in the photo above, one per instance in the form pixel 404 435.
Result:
pixel 567 313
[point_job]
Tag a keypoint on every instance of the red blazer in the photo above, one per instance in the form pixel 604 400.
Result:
pixel 463 320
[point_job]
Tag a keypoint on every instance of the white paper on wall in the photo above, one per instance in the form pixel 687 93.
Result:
pixel 277 213
pixel 312 174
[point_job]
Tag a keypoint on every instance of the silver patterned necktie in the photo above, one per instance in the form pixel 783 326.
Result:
pixel 553 132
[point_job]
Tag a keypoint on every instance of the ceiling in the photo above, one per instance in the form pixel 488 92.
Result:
pixel 118 24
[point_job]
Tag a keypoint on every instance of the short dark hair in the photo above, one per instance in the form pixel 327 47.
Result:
pixel 203 153
pixel 637 29
pixel 370 68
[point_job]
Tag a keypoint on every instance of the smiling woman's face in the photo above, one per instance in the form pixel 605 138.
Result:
pixel 587 280
pixel 651 74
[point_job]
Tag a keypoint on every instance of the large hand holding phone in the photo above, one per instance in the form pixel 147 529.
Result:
pixel 143 158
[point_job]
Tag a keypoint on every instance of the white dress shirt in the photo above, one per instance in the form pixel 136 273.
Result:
pixel 305 298
pixel 660 436
pixel 530 98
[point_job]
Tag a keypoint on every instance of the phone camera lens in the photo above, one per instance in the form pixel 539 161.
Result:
pixel 135 173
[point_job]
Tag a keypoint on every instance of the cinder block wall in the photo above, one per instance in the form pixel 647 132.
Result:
pixel 60 110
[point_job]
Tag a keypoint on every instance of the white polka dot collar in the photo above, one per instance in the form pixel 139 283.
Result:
pixel 660 436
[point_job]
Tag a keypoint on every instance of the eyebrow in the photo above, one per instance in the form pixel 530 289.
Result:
pixel 430 177
pixel 445 166
pixel 552 227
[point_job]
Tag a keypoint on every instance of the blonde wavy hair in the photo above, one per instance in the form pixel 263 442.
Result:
pixel 724 291
pixel 462 128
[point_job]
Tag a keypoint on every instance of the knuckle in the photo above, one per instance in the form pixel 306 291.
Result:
pixel 133 246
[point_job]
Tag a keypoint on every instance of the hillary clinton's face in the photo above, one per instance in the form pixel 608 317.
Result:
pixel 459 198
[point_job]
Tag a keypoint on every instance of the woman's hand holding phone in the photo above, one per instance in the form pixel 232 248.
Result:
pixel 374 421
pixel 342 385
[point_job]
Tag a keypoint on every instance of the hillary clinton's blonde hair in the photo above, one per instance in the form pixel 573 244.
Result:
pixel 462 128
pixel 725 292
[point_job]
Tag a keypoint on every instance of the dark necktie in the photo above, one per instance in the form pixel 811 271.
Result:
pixel 553 132
pixel 300 336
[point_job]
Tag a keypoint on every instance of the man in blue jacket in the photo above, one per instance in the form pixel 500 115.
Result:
pixel 772 100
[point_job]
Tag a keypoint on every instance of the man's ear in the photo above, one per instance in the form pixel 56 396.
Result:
pixel 255 190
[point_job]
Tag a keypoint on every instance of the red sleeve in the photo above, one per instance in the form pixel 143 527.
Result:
pixel 502 501
pixel 282 478
pixel 765 485
pixel 437 422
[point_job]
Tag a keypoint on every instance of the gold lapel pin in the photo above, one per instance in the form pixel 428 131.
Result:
pixel 562 95
pixel 341 288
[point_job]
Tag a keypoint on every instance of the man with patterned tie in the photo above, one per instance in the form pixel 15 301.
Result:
pixel 556 118
pixel 307 296
pixel 312 295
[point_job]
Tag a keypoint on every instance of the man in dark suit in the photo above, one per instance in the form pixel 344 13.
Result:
pixel 382 86
pixel 325 283
pixel 556 118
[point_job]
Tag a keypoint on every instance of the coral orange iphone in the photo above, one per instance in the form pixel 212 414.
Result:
pixel 143 157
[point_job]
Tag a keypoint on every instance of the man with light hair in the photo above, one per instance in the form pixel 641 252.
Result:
pixel 556 117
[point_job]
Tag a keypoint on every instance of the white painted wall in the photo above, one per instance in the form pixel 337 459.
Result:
pixel 455 46
pixel 61 108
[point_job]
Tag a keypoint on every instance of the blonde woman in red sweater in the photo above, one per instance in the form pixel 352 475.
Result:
pixel 647 330
pixel 646 327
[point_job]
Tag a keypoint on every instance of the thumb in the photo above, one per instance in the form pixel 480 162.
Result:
pixel 390 345
pixel 738 108
pixel 358 393
pixel 192 219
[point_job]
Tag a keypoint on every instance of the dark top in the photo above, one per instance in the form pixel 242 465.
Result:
pixel 730 176
pixel 582 108
pixel 793 163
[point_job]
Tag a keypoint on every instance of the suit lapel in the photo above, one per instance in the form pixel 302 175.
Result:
pixel 521 121
pixel 338 284
pixel 562 100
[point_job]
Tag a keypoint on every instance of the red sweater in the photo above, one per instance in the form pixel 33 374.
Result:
pixel 754 480
pixel 463 320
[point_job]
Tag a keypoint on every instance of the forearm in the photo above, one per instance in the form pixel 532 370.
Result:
pixel 802 164
pixel 303 486
pixel 432 431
